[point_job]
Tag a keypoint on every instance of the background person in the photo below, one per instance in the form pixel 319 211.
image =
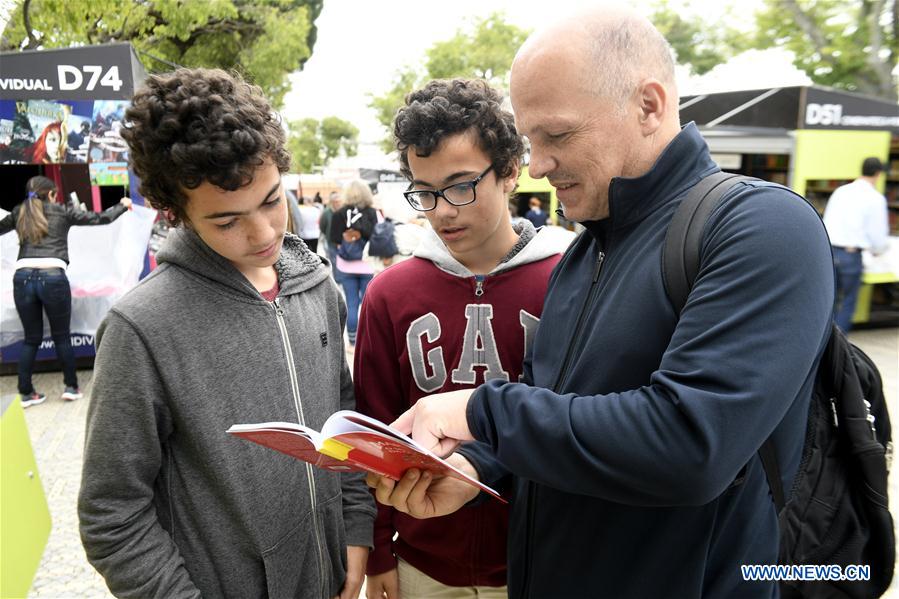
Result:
pixel 856 220
pixel 310 215
pixel 354 223
pixel 40 284
pixel 324 224
pixel 633 434
pixel 536 214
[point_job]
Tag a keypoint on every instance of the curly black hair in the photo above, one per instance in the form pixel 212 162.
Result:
pixel 199 125
pixel 446 107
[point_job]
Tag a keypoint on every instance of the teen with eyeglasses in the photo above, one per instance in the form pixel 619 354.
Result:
pixel 461 311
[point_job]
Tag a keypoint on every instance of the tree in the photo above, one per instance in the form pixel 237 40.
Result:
pixel 264 40
pixel 698 45
pixel 848 44
pixel 313 143
pixel 482 50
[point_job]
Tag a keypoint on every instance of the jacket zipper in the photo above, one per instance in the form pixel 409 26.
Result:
pixel 298 404
pixel 532 487
pixel 479 281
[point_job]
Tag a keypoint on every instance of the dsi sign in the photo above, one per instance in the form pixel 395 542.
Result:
pixel 823 114
pixel 826 109
pixel 69 78
pixel 107 72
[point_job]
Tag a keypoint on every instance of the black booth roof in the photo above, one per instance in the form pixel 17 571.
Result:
pixel 790 108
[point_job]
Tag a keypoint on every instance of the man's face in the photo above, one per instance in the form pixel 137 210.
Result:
pixel 578 140
pixel 245 226
pixel 468 231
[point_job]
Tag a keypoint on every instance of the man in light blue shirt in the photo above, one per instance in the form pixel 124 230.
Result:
pixel 856 220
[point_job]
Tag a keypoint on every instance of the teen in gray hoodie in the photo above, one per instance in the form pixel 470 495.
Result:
pixel 239 323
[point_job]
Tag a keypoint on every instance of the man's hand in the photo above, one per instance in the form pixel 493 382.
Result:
pixel 356 558
pixel 438 421
pixel 421 495
pixel 383 586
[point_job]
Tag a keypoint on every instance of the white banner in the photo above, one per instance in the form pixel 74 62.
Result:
pixel 105 262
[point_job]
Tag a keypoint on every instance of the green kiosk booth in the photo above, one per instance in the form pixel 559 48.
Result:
pixel 812 139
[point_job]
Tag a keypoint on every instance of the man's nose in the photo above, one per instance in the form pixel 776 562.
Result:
pixel 541 163
pixel 259 229
pixel 444 209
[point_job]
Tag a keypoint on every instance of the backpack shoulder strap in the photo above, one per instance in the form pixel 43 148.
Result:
pixel 680 254
pixel 680 265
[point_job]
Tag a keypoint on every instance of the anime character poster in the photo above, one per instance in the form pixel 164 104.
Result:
pixel 40 131
pixel 106 145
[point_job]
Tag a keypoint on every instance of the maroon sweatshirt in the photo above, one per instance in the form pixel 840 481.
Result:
pixel 429 325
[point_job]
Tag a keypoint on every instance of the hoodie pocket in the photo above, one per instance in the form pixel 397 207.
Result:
pixel 293 569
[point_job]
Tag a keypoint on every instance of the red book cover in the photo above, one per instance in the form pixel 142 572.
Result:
pixel 350 441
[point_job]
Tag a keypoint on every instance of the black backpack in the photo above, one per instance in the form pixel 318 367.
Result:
pixel 382 242
pixel 837 512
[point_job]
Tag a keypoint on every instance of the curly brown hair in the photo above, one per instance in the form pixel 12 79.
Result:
pixel 446 107
pixel 192 126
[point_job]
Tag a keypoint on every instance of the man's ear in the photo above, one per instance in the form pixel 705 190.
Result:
pixel 652 97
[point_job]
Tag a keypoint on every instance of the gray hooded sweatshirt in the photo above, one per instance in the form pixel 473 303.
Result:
pixel 171 505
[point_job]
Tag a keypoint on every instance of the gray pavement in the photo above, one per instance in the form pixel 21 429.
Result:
pixel 57 435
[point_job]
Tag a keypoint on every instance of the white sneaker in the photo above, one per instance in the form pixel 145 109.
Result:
pixel 72 393
pixel 32 399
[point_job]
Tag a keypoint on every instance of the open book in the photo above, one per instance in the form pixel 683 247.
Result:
pixel 350 441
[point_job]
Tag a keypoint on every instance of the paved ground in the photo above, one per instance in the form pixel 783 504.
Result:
pixel 57 435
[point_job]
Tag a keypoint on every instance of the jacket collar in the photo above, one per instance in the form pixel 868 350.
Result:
pixel 298 268
pixel 683 162
pixel 537 245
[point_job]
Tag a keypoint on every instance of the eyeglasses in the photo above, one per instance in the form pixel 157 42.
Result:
pixel 458 194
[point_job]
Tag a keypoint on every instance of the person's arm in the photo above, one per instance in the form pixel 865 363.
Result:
pixel 358 505
pixel 877 226
pixel 127 424
pixel 84 218
pixel 752 329
pixel 746 342
pixel 324 224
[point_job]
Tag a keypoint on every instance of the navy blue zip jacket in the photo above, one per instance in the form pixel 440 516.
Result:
pixel 633 438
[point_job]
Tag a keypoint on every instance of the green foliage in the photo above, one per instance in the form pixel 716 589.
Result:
pixel 484 49
pixel 387 104
pixel 848 44
pixel 701 46
pixel 264 40
pixel 313 144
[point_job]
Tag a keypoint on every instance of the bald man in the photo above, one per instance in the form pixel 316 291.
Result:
pixel 632 437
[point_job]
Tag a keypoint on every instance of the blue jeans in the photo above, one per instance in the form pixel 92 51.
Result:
pixel 848 271
pixel 332 258
pixel 38 290
pixel 354 287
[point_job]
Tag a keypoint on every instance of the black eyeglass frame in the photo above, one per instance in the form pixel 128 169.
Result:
pixel 440 193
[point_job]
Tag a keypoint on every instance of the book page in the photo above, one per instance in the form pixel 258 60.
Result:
pixel 291 439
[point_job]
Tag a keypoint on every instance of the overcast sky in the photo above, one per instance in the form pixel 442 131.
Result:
pixel 362 44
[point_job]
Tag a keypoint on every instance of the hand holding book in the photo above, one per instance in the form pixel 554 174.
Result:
pixel 423 495
pixel 350 441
